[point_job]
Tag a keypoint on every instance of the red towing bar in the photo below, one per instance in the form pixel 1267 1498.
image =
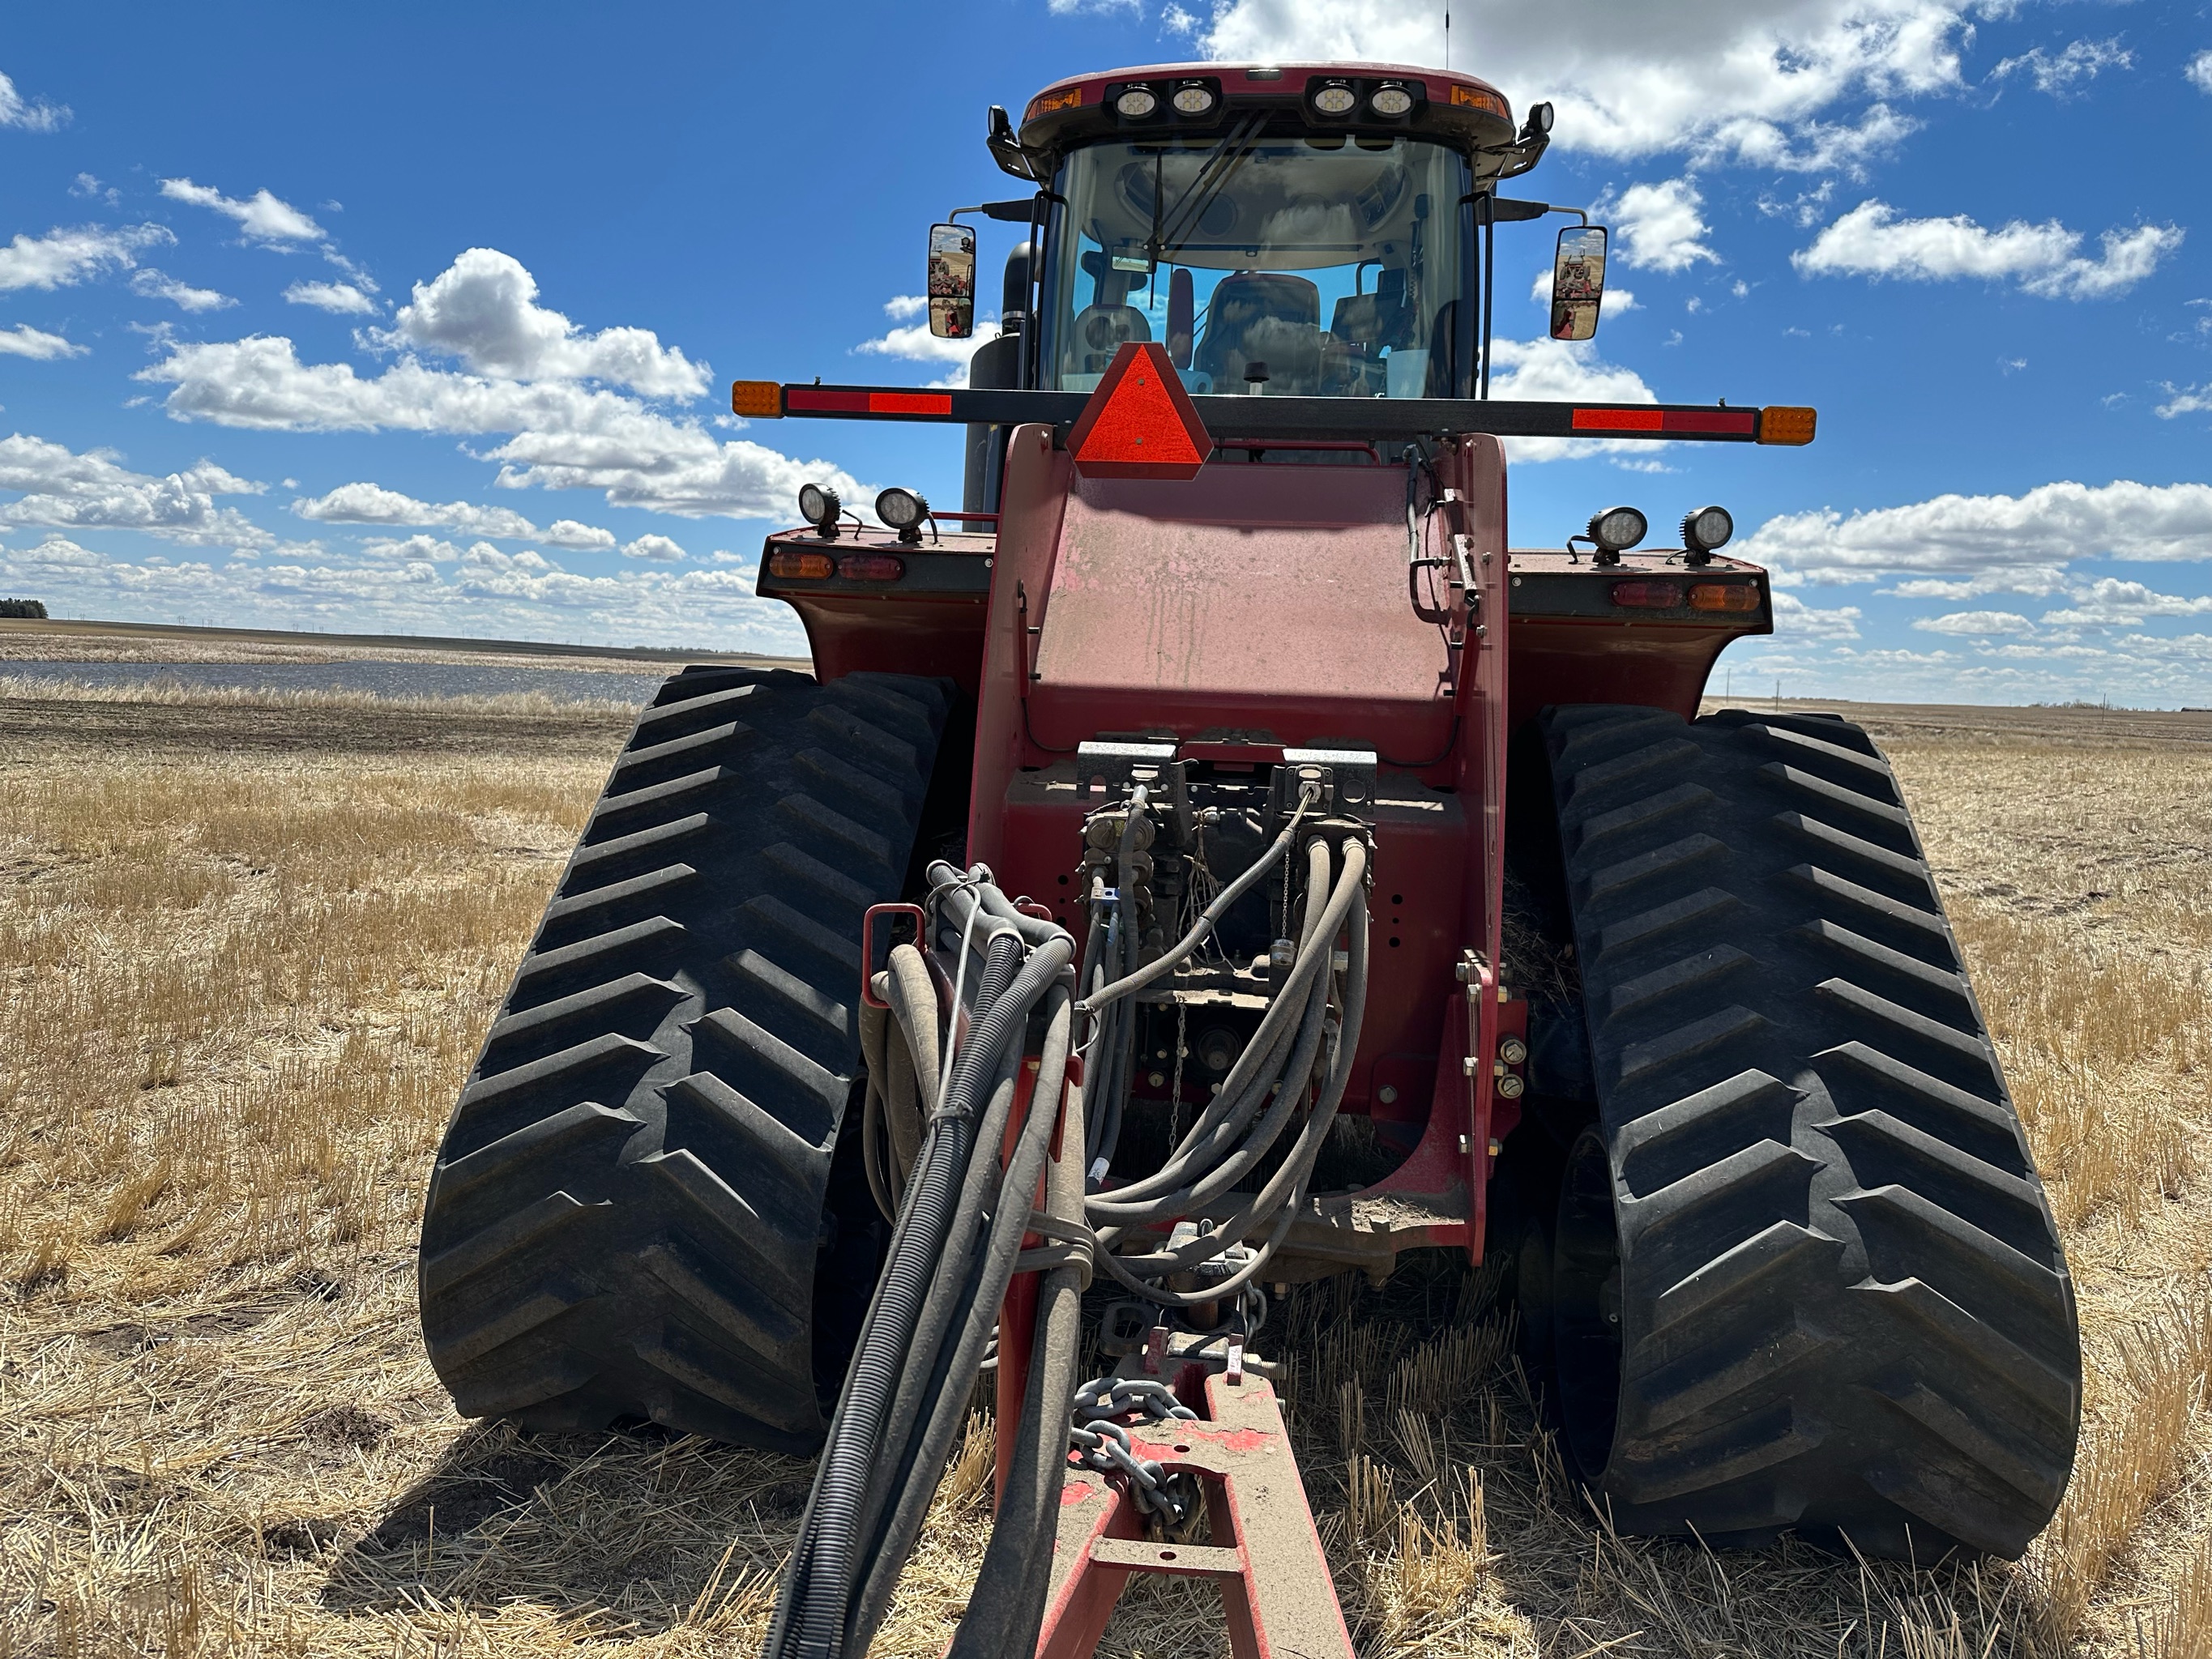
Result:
pixel 1291 418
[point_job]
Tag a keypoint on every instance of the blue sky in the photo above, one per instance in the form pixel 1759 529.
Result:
pixel 422 317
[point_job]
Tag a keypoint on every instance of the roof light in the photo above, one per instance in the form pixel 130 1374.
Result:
pixel 1196 98
pixel 1723 596
pixel 870 568
pixel 1617 529
pixel 1137 103
pixel 809 567
pixel 820 507
pixel 1705 530
pixel 1782 424
pixel 1335 98
pixel 1391 99
pixel 1648 596
pixel 903 510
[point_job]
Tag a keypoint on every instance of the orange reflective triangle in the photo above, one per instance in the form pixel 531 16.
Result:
pixel 1139 423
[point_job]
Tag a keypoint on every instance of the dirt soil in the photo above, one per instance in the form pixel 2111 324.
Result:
pixel 247 951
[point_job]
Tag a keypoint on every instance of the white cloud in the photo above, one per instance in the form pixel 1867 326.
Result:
pixel 2038 581
pixel 1979 624
pixel 261 217
pixel 369 503
pixel 2184 400
pixel 2199 70
pixel 2045 528
pixel 32 114
pixel 94 490
pixel 343 298
pixel 1810 146
pixel 85 185
pixel 901 307
pixel 2109 603
pixel 63 258
pixel 1631 78
pixel 916 344
pixel 1660 225
pixel 2057 73
pixel 24 341
pixel 1794 619
pixel 156 285
pixel 1871 241
pixel 415 549
pixel 659 549
pixel 585 538
pixel 483 309
pixel 564 437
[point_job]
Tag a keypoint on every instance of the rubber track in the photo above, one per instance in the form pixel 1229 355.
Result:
pixel 632 1214
pixel 1843 1307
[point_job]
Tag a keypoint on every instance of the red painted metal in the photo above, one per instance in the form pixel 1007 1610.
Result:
pixel 1278 1598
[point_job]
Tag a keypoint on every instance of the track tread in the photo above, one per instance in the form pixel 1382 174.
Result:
pixel 1844 1306
pixel 631 1214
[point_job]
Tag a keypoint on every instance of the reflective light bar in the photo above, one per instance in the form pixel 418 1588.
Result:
pixel 1723 596
pixel 835 400
pixel 1648 596
pixel 1781 423
pixel 1729 422
pixel 759 400
pixel 811 566
pixel 870 568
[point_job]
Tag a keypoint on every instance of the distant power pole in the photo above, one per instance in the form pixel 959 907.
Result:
pixel 1778 696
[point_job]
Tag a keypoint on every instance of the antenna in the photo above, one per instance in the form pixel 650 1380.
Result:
pixel 1446 33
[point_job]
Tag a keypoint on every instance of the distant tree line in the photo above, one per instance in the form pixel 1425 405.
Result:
pixel 30 610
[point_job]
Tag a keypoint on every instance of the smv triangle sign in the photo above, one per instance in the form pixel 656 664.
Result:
pixel 1139 423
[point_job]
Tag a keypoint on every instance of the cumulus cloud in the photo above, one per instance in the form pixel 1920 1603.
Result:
pixel 659 549
pixel 2045 528
pixel 31 114
pixel 261 217
pixel 565 436
pixel 1871 241
pixel 1794 619
pixel 63 258
pixel 2199 70
pixel 2184 400
pixel 2057 73
pixel 915 344
pixel 1979 624
pixel 93 490
pixel 370 503
pixel 2109 603
pixel 342 298
pixel 1749 80
pixel 585 538
pixel 24 341
pixel 483 309
pixel 1660 226
pixel 156 285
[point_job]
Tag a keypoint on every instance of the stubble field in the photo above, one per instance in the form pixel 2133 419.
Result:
pixel 248 948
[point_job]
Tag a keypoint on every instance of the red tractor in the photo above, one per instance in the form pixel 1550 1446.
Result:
pixel 1125 902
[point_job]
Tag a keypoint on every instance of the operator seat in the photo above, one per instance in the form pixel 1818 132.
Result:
pixel 1266 316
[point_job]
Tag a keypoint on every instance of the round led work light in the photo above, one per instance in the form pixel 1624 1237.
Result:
pixel 1335 98
pixel 1705 531
pixel 819 507
pixel 1192 100
pixel 903 510
pixel 1390 99
pixel 1617 529
pixel 1137 103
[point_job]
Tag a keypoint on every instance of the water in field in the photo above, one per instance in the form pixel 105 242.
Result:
pixel 373 675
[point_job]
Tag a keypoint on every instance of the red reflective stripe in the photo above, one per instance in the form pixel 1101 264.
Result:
pixel 1730 421
pixel 842 403
pixel 827 401
pixel 909 403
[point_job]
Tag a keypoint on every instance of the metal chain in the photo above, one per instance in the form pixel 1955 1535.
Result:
pixel 1102 1441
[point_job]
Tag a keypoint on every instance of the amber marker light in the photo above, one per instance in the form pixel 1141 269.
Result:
pixel 759 400
pixel 1723 596
pixel 810 567
pixel 1784 423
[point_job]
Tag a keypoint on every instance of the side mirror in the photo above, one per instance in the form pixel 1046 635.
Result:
pixel 1577 283
pixel 1183 319
pixel 951 281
